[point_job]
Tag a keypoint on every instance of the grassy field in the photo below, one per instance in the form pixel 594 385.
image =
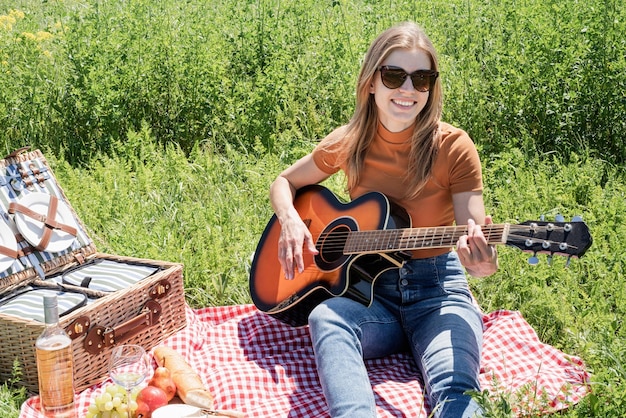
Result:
pixel 166 121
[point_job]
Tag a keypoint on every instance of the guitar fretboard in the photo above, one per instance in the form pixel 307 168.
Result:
pixel 377 241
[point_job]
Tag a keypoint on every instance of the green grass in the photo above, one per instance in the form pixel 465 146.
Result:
pixel 165 123
pixel 261 75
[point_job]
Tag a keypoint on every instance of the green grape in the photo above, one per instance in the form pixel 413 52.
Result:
pixel 112 389
pixel 113 402
pixel 132 405
pixel 134 392
pixel 100 403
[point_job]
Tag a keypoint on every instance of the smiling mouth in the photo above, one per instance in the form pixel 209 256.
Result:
pixel 403 103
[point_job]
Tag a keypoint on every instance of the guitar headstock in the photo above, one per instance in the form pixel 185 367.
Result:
pixel 570 239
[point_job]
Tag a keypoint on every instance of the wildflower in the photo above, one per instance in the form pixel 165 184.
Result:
pixel 7 22
pixel 29 35
pixel 59 27
pixel 16 14
pixel 43 35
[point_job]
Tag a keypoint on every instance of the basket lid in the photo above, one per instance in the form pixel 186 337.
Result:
pixel 39 229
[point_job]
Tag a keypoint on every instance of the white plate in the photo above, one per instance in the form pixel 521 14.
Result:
pixel 177 410
pixel 7 239
pixel 32 230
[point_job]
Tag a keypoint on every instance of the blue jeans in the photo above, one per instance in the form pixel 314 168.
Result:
pixel 426 308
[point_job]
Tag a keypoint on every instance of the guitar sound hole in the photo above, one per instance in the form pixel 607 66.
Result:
pixel 331 244
pixel 331 248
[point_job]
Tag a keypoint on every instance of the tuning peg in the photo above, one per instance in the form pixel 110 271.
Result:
pixel 560 218
pixel 533 260
pixel 577 218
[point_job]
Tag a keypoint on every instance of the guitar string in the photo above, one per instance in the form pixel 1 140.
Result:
pixel 432 232
pixel 337 240
pixel 340 246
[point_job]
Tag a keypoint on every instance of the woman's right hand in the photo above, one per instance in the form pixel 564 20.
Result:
pixel 294 240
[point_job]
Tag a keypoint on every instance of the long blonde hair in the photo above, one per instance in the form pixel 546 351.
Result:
pixel 361 128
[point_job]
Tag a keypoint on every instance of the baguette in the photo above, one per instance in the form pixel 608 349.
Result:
pixel 189 386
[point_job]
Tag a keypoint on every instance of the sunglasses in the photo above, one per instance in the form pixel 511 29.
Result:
pixel 394 77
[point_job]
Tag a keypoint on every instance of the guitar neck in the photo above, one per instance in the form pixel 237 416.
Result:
pixel 377 241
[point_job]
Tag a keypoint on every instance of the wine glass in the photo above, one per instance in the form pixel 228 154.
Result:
pixel 129 366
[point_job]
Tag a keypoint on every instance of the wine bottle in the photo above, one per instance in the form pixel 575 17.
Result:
pixel 55 365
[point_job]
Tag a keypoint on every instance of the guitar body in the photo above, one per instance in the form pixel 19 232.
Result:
pixel 331 273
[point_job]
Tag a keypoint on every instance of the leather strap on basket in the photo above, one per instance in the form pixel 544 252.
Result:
pixel 8 252
pixel 99 338
pixel 49 220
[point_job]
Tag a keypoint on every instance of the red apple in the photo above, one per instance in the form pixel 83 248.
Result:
pixel 150 398
pixel 142 411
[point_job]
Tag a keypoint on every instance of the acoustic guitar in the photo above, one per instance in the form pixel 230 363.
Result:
pixel 359 240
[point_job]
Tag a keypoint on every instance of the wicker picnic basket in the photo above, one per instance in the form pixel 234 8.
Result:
pixel 144 312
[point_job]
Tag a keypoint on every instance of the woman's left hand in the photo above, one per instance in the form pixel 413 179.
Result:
pixel 478 257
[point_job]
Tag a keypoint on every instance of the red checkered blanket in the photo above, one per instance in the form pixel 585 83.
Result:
pixel 263 368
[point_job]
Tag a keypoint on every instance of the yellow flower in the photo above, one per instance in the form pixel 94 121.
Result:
pixel 7 22
pixel 29 35
pixel 17 14
pixel 43 35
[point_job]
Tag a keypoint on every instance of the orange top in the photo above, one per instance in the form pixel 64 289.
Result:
pixel 456 169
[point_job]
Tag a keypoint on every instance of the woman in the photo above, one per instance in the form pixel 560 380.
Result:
pixel 396 144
